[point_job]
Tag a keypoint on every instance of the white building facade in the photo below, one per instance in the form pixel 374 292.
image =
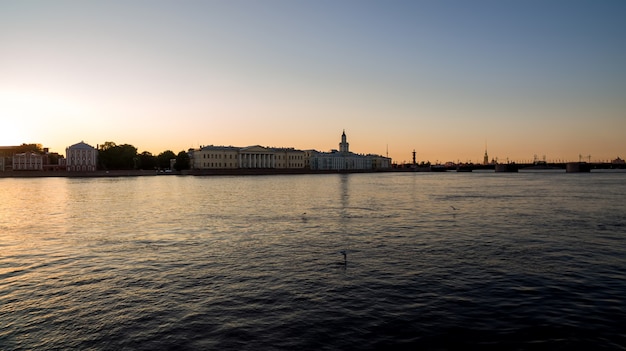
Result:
pixel 28 161
pixel 345 160
pixel 81 157
pixel 259 157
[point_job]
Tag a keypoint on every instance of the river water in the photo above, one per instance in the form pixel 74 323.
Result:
pixel 434 261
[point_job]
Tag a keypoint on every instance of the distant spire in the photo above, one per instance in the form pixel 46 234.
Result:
pixel 486 157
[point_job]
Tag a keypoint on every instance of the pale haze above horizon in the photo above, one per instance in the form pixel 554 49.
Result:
pixel 443 78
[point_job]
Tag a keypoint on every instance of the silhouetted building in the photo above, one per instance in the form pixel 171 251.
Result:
pixel 6 156
pixel 486 157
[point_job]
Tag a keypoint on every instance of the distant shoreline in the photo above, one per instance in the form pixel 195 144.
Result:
pixel 257 172
pixel 66 174
pixel 145 173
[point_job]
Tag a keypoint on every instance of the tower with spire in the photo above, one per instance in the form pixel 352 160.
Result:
pixel 343 146
pixel 486 157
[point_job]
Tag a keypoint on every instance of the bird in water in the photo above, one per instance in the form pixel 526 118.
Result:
pixel 345 256
pixel 454 208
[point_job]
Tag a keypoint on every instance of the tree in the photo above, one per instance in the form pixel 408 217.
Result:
pixel 107 145
pixel 182 161
pixel 164 159
pixel 112 156
pixel 29 148
pixel 147 160
pixel 106 154
pixel 127 157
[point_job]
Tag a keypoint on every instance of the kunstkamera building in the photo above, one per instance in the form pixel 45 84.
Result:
pixel 259 157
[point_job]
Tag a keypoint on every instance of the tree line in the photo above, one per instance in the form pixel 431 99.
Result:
pixel 112 156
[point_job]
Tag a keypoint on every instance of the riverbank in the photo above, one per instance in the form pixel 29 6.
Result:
pixel 37 174
pixel 142 173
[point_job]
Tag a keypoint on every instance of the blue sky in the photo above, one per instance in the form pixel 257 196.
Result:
pixel 440 77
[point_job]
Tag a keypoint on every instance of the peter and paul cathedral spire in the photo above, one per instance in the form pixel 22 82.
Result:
pixel 486 157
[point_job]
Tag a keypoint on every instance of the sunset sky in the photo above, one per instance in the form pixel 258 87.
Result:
pixel 442 77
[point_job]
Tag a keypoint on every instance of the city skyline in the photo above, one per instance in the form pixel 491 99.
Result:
pixel 486 158
pixel 438 77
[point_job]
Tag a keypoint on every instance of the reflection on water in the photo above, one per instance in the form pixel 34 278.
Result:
pixel 526 261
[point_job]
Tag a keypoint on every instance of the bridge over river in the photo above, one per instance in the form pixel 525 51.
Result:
pixel 570 167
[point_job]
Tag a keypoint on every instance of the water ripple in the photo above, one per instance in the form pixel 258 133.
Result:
pixel 520 265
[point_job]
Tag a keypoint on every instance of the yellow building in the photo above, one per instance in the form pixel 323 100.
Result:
pixel 230 157
pixel 289 158
pixel 214 157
